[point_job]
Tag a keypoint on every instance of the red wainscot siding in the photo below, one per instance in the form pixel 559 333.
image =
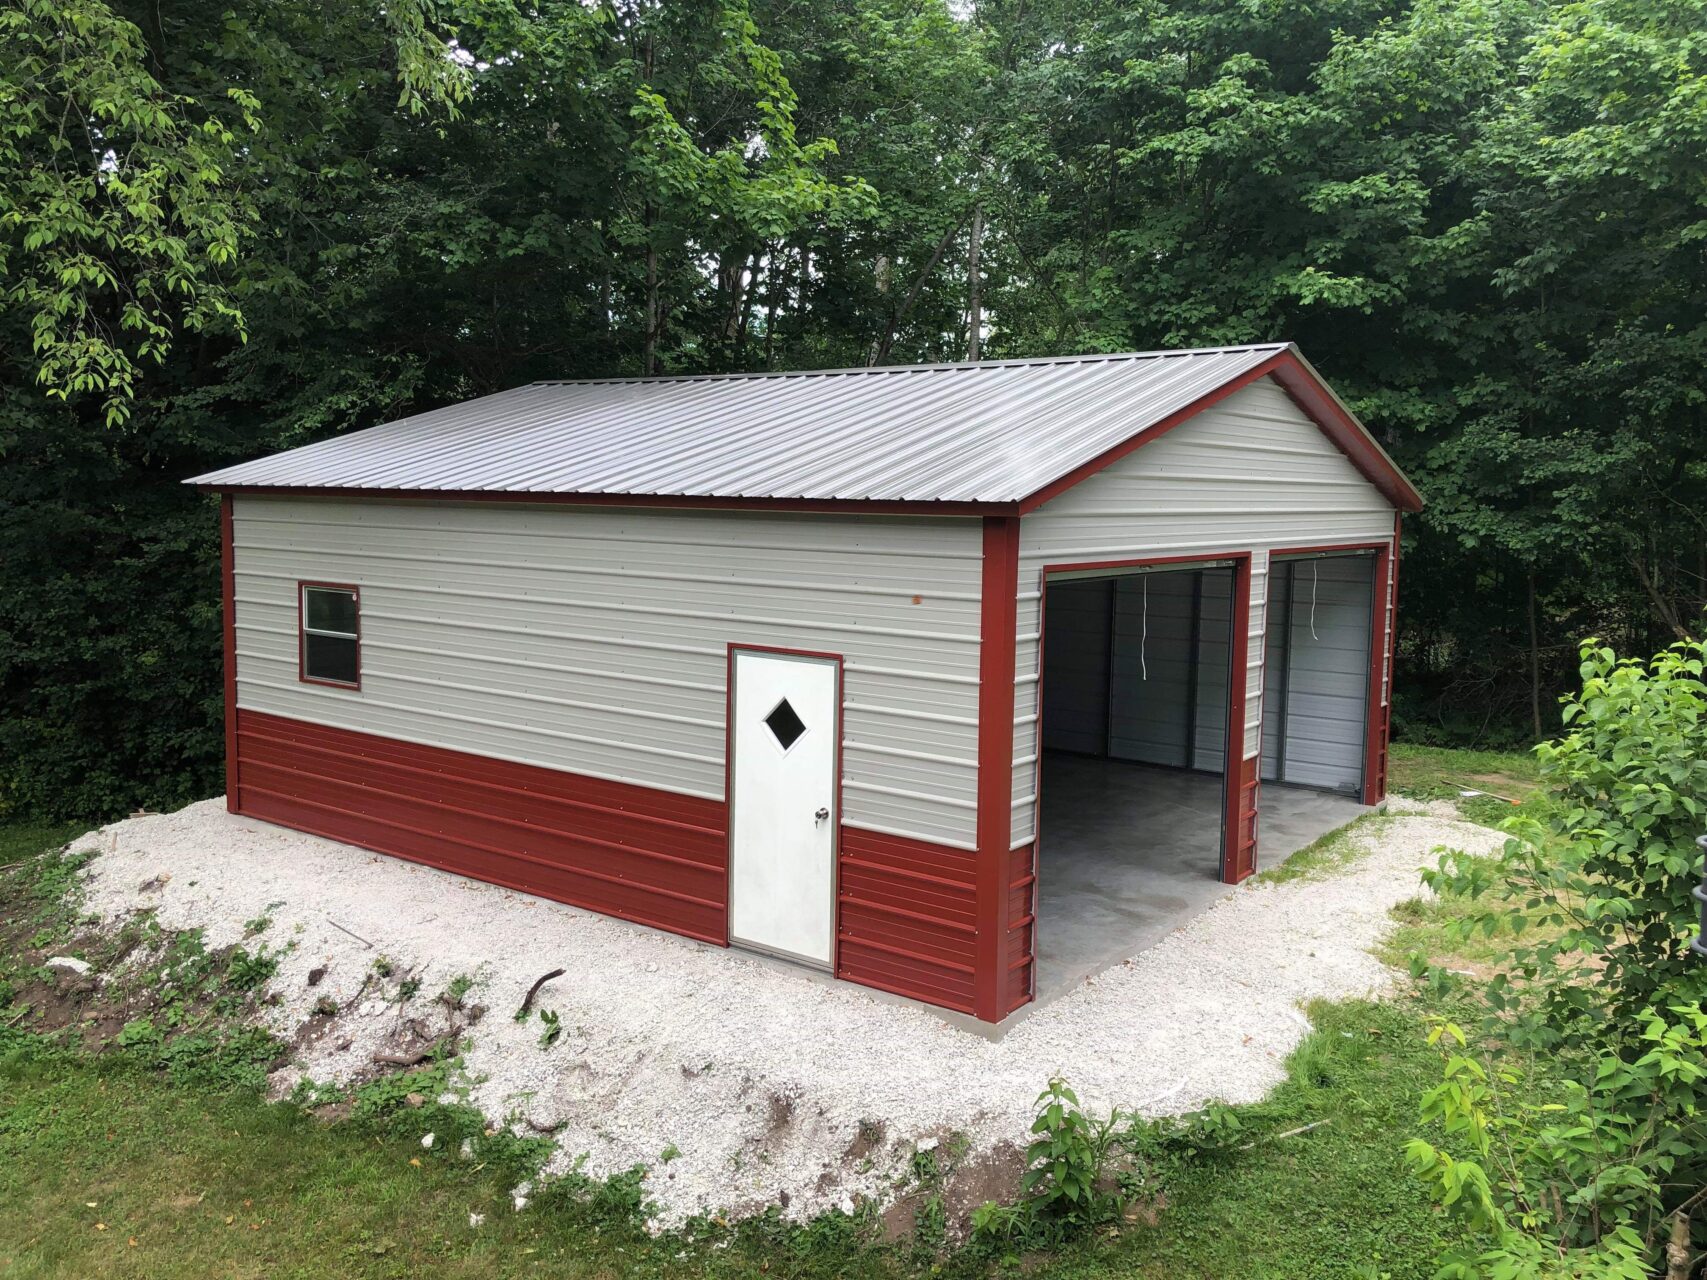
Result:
pixel 906 917
pixel 654 857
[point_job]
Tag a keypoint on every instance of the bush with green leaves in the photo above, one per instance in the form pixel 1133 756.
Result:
pixel 1065 1182
pixel 1082 1171
pixel 1597 896
pixel 1574 1137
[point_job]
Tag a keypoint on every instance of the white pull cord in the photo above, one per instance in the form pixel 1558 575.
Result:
pixel 1314 574
pixel 1144 632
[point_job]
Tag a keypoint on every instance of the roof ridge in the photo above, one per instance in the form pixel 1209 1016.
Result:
pixel 953 366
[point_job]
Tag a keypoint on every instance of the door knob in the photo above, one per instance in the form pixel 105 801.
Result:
pixel 821 815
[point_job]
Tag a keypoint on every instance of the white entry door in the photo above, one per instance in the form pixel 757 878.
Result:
pixel 783 820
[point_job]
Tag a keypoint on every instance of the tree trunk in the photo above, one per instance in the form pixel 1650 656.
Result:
pixel 649 351
pixel 1534 662
pixel 974 298
pixel 1677 1249
pixel 1662 609
pixel 881 352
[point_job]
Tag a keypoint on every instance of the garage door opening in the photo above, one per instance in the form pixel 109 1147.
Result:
pixel 1137 698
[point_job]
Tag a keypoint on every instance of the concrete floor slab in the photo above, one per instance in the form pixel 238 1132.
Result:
pixel 1129 853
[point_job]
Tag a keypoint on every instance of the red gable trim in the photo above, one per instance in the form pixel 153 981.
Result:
pixel 1310 394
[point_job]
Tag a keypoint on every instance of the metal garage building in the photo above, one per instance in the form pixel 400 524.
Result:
pixel 795 661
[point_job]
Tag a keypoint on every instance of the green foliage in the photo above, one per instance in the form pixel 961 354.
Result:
pixel 1581 1179
pixel 551 1028
pixel 1066 1159
pixel 118 207
pixel 230 229
pixel 1574 1165
pixel 1607 875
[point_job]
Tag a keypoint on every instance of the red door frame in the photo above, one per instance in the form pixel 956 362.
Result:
pixel 729 786
pixel 1238 856
pixel 1376 716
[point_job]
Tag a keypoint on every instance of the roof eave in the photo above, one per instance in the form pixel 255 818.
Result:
pixel 831 506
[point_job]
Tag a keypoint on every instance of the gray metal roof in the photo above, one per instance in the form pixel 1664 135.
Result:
pixel 991 432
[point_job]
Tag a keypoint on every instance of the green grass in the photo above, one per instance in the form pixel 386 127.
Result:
pixel 207 1179
pixel 21 840
pixel 1330 853
pixel 1442 773
pixel 222 1184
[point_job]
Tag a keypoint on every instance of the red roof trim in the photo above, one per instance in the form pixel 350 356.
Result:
pixel 1313 396
pixel 1307 391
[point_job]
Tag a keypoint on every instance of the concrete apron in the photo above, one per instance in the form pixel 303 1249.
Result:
pixel 1129 853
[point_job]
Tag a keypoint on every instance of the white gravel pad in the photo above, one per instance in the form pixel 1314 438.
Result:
pixel 759 1076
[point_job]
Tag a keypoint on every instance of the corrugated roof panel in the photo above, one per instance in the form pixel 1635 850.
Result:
pixel 991 432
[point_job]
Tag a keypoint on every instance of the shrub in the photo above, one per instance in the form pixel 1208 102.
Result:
pixel 1599 1148
pixel 1607 876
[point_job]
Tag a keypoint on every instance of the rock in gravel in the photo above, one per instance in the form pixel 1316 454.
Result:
pixel 69 964
pixel 476 1219
pixel 427 1140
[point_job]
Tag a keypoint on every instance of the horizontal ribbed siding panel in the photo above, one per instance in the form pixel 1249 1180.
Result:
pixel 906 919
pixel 594 640
pixel 647 856
pixel 1250 473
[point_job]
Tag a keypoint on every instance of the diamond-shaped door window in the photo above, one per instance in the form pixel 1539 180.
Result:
pixel 786 724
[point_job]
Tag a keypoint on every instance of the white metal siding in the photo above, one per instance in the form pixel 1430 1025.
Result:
pixel 1327 672
pixel 1248 474
pixel 594 639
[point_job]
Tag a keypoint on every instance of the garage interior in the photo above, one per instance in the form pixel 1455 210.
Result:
pixel 1136 669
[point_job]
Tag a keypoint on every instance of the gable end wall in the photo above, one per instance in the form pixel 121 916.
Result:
pixel 1250 473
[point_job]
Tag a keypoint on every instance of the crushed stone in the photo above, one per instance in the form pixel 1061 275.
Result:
pixel 741 1083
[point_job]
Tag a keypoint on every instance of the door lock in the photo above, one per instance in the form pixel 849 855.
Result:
pixel 821 815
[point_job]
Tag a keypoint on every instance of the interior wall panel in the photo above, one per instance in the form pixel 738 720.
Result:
pixel 1075 676
pixel 1327 677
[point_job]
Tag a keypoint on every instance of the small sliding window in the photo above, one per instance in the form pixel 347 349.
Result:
pixel 329 648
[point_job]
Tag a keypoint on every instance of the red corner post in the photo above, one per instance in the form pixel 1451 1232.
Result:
pixel 228 613
pixel 996 659
pixel 1383 643
pixel 1242 777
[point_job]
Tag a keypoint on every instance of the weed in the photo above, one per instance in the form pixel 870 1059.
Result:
pixel 924 1169
pixel 245 972
pixel 457 990
pixel 553 1028
pixel 383 966
pixel 1332 852
pixel 1064 1183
